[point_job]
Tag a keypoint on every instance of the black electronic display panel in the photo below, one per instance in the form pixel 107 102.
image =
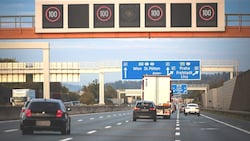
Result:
pixel 206 14
pixel 104 15
pixel 52 16
pixel 129 15
pixel 78 15
pixel 181 15
pixel 155 15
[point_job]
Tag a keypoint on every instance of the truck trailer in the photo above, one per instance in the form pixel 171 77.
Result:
pixel 158 89
pixel 20 96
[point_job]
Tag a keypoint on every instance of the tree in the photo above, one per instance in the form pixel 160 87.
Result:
pixel 7 60
pixel 110 92
pixel 90 93
pixel 87 97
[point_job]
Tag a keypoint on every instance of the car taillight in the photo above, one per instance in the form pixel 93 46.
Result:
pixel 136 109
pixel 28 113
pixel 59 113
pixel 151 109
pixel 23 110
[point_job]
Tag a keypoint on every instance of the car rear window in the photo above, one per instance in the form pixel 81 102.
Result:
pixel 145 104
pixel 192 105
pixel 49 107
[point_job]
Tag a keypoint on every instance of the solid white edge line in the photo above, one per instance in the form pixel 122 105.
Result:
pixel 229 125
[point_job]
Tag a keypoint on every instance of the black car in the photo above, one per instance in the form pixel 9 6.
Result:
pixel 47 115
pixel 144 110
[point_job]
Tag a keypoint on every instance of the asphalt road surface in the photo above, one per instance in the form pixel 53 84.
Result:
pixel 118 126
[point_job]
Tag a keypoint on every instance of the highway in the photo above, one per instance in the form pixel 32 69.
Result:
pixel 118 126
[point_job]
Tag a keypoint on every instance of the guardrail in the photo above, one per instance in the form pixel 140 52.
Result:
pixel 28 21
pixel 13 113
pixel 239 114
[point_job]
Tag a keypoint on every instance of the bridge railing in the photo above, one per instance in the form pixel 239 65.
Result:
pixel 237 20
pixel 28 21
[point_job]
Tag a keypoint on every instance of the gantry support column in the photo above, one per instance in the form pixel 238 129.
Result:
pixel 46 73
pixel 231 75
pixel 101 88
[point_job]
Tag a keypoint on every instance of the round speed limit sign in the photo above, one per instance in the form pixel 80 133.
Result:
pixel 104 13
pixel 206 12
pixel 52 14
pixel 155 13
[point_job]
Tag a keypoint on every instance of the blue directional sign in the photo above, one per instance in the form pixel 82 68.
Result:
pixel 179 88
pixel 178 70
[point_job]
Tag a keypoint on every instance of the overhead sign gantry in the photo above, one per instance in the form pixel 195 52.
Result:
pixel 67 16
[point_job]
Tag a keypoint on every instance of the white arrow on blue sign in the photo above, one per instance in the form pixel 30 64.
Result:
pixel 178 70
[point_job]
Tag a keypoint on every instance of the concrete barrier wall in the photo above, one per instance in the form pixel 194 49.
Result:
pixel 241 93
pixel 219 98
pixel 9 113
pixel 233 95
pixel 226 92
pixel 12 113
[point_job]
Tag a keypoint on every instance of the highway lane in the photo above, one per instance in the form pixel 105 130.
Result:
pixel 118 126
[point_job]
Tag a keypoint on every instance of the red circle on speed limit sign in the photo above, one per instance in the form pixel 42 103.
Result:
pixel 104 13
pixel 155 13
pixel 53 14
pixel 206 12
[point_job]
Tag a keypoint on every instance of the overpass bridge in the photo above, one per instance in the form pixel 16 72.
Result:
pixel 134 94
pixel 70 72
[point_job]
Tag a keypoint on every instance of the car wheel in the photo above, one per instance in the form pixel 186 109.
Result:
pixel 134 119
pixel 64 130
pixel 69 130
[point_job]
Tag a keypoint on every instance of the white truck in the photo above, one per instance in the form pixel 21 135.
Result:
pixel 20 96
pixel 158 89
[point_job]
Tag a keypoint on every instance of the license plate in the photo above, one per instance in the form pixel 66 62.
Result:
pixel 43 123
pixel 144 110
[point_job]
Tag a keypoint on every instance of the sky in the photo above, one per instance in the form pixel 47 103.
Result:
pixel 115 50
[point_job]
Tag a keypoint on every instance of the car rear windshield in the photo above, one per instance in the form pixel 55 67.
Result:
pixel 145 104
pixel 49 107
pixel 192 105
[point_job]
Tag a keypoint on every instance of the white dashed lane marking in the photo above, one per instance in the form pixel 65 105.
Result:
pixel 10 130
pixel 91 132
pixel 67 139
pixel 107 127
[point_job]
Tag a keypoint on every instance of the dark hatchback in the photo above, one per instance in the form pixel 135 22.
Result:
pixel 144 110
pixel 45 115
